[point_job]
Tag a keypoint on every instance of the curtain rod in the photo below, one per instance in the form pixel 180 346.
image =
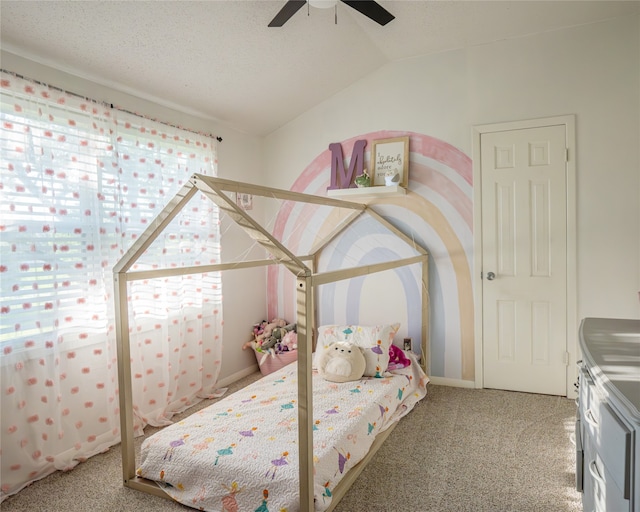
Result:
pixel 109 105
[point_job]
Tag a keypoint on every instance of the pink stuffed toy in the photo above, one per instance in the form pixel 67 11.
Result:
pixel 397 359
pixel 290 341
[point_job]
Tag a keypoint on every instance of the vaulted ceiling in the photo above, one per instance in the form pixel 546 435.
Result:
pixel 218 59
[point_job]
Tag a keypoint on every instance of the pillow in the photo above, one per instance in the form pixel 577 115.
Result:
pixel 374 340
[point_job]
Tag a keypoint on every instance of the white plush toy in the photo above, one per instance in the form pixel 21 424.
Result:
pixel 341 362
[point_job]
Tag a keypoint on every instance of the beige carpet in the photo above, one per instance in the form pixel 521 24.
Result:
pixel 458 450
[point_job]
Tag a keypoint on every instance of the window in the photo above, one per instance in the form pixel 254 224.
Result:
pixel 80 181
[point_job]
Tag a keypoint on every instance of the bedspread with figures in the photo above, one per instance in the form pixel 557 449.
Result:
pixel 241 453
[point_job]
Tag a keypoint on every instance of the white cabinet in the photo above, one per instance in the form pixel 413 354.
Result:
pixel 608 422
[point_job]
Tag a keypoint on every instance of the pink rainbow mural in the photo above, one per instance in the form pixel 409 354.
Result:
pixel 437 212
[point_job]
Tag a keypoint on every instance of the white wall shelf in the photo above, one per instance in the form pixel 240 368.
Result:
pixel 391 190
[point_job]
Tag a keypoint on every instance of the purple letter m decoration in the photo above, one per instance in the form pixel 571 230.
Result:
pixel 337 164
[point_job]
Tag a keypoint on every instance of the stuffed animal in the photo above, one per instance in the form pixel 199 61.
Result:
pixel 258 329
pixel 276 334
pixel 397 358
pixel 341 362
pixel 267 329
pixel 290 341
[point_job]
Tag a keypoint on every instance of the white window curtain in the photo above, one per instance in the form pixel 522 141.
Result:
pixel 79 182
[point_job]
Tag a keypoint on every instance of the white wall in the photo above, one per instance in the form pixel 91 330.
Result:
pixel 244 291
pixel 239 158
pixel 591 71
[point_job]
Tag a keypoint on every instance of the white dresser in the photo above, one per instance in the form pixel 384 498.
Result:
pixel 608 419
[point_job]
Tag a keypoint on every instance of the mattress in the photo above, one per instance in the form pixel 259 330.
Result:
pixel 241 453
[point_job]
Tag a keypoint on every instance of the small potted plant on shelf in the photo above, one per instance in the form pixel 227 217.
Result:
pixel 363 180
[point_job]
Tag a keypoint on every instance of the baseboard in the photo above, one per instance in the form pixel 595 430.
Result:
pixel 230 379
pixel 454 383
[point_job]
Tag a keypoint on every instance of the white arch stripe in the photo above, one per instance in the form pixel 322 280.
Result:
pixel 445 170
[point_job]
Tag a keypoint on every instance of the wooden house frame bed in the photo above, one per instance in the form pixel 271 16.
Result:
pixel 219 192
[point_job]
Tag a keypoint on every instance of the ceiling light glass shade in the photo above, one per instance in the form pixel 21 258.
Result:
pixel 323 4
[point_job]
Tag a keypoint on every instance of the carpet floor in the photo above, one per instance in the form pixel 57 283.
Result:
pixel 462 450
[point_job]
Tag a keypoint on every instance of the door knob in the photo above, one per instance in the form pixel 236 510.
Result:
pixel 491 276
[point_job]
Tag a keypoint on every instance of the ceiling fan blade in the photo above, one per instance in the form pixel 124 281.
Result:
pixel 371 9
pixel 289 9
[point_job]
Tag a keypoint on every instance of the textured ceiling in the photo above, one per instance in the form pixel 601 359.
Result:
pixel 219 60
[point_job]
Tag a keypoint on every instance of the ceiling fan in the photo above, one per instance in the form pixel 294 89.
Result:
pixel 369 8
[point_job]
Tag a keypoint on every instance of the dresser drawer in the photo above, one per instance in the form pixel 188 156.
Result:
pixel 579 457
pixel 600 493
pixel 611 441
pixel 584 389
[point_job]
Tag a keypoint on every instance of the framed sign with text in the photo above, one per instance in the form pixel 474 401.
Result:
pixel 390 162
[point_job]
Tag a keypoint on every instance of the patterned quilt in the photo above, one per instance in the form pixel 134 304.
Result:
pixel 241 453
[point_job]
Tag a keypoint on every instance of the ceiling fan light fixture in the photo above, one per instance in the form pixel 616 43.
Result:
pixel 323 4
pixel 370 8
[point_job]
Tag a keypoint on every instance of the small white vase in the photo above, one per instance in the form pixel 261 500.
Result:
pixel 391 180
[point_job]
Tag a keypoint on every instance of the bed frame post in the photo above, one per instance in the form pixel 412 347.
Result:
pixel 124 377
pixel 314 307
pixel 425 347
pixel 304 294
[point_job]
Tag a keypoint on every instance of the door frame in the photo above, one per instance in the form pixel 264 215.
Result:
pixel 568 121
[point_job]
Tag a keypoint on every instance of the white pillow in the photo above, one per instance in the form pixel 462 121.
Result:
pixel 374 340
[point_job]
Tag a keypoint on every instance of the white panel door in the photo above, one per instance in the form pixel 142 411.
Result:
pixel 524 285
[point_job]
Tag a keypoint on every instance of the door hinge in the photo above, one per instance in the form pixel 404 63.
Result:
pixel 565 358
pixel 566 154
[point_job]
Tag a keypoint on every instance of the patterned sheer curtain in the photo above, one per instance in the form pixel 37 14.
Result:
pixel 79 182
